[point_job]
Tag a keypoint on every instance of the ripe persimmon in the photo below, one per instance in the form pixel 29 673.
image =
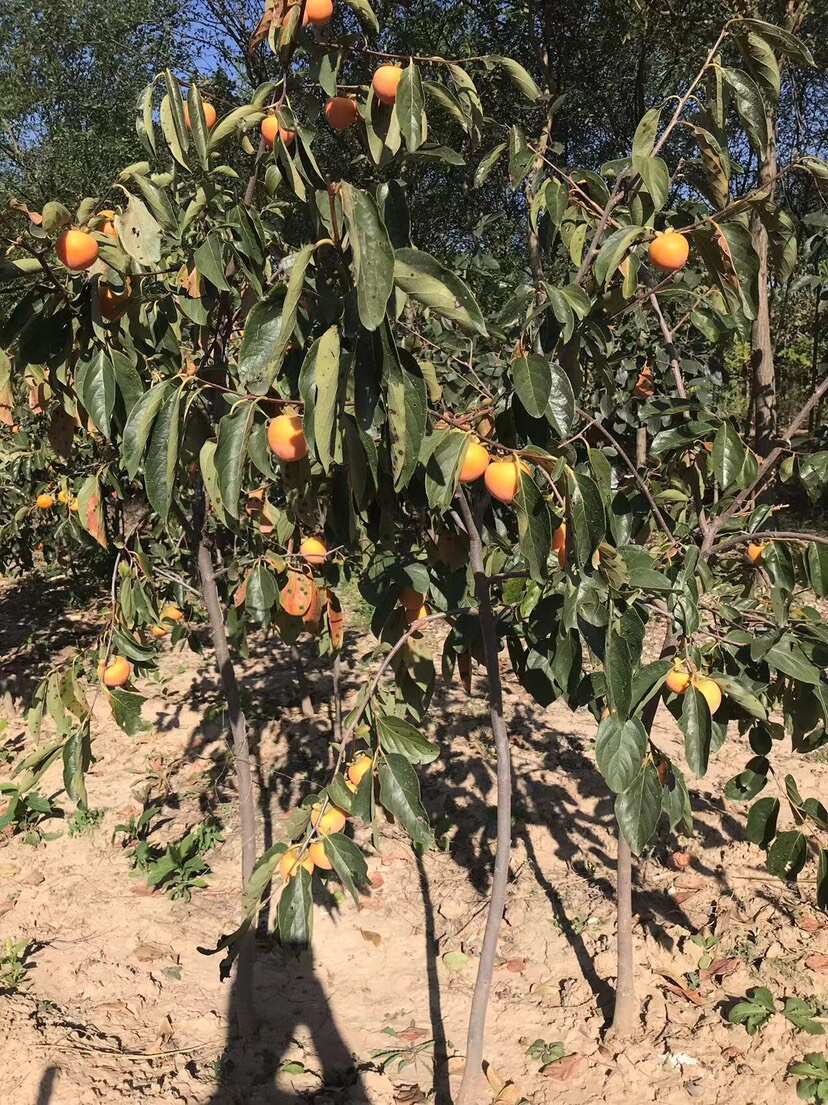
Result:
pixel 359 768
pixel 117 672
pixel 76 249
pixel 286 438
pixel 341 112
pixel 290 863
pixel 107 227
pixel 414 614
pixel 475 462
pixel 318 13
pixel 313 551
pixel 112 304
pixel 158 631
pixel 331 821
pixel 319 857
pixel 384 83
pixel 669 251
pixel 209 115
pixel 678 679
pixel 710 690
pixel 559 543
pixel 170 613
pixel 754 552
pixel 269 129
pixel 502 478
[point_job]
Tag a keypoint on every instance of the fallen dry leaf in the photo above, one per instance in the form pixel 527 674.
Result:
pixel 720 968
pixel 412 1034
pixel 567 1069
pixel 818 963
pixel 809 923
pixel 409 1095
pixel 681 860
pixel 674 985
pixel 516 966
pixel 681 896
pixel 377 881
pixel 372 937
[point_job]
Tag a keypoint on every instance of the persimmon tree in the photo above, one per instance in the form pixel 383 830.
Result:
pixel 273 385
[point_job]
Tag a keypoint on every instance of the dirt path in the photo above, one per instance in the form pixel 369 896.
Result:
pixel 120 1006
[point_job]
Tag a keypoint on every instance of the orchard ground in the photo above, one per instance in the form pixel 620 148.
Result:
pixel 119 1005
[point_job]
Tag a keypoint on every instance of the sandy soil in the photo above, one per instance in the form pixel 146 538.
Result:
pixel 120 1006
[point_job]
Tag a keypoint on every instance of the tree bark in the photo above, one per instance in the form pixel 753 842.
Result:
pixel 763 372
pixel 244 1001
pixel 626 1007
pixel 470 1089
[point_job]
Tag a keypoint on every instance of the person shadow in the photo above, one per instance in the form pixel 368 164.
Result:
pixel 296 1053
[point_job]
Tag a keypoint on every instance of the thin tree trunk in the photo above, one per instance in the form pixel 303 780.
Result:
pixel 763 371
pixel 244 1004
pixel 470 1091
pixel 625 1014
pixel 813 417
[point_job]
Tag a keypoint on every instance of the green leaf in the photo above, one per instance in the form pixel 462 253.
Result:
pixel 449 103
pixel 172 122
pixel 532 377
pixel 294 914
pixel 139 233
pixel 400 796
pixel 488 163
pixel 618 671
pixel 319 388
pixel 656 176
pixel 780 38
pixel 407 410
pixel 365 14
pixel 143 121
pixel 373 256
pixel 750 108
pixel 95 383
pixel 261 593
pixel 754 1013
pixel 126 710
pixel 399 736
pixel 348 862
pixel 231 454
pixel 761 63
pixel 209 260
pixel 519 77
pixel 696 724
pixel 162 455
pixel 423 278
pixel 638 808
pixel 620 748
pixel 262 353
pixel 207 465
pixel 260 876
pixel 613 250
pixel 560 411
pixel 748 783
pixel 236 121
pixel 443 468
pixel 801 1014
pixel 728 456
pixel 761 821
pixel 645 133
pixel 816 560
pixel 786 656
pixel 409 107
pixel 557 201
pixel 534 526
pixel 198 126
pixel 587 513
pixel 787 854
pixel 76 760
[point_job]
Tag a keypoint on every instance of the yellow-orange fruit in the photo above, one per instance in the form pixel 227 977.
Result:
pixel 754 552
pixel 319 857
pixel 117 672
pixel 502 478
pixel 559 544
pixel 359 768
pixel 73 505
pixel 158 631
pixel 475 462
pixel 209 115
pixel 289 863
pixel 678 679
pixel 331 821
pixel 76 249
pixel 170 613
pixel 45 502
pixel 710 690
pixel 107 227
pixel 287 136
pixel 313 551
pixel 63 496
pixel 286 438
pixel 112 304
pixel 341 112
pixel 411 599
pixel 384 83
pixel 270 128
pixel 669 251
pixel 413 614
pixel 318 13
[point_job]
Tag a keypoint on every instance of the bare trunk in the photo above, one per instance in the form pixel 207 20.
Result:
pixel 641 446
pixel 470 1089
pixel 625 1014
pixel 813 418
pixel 763 373
pixel 244 1003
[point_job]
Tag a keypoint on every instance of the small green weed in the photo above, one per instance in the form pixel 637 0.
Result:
pixel 84 821
pixel 15 962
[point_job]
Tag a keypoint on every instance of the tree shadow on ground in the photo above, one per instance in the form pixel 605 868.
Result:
pixel 46 1087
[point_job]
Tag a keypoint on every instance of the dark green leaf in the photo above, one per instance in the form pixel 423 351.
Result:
pixel 348 862
pixel 400 796
pixel 620 748
pixel 373 257
pixel 423 278
pixel 162 455
pixel 532 377
pixel 231 454
pixel 295 911
pixel 638 808
pixel 696 725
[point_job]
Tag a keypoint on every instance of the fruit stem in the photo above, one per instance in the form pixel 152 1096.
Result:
pixel 469 1093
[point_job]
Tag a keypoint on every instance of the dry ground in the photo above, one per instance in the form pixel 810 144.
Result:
pixel 120 1006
